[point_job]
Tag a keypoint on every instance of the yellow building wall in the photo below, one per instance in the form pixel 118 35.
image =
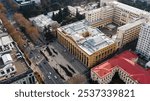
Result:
pixel 87 60
pixel 102 23
pixel 131 35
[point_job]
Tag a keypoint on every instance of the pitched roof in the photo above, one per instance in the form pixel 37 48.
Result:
pixel 126 62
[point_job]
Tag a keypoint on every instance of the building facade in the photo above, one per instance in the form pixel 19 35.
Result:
pixel 80 38
pixel 105 2
pixel 128 19
pixel 143 45
pixel 86 43
pixel 125 65
pixel 128 32
pixel 100 17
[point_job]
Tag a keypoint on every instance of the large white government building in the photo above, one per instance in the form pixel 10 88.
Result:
pixel 143 45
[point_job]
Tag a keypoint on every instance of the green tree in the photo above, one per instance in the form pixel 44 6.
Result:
pixel 53 16
pixel 66 12
pixel 79 16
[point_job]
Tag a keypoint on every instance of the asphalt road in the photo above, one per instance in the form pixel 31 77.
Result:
pixel 51 77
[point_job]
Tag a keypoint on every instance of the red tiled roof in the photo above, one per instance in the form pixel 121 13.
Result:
pixel 124 61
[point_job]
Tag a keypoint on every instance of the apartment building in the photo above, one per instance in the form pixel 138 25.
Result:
pixel 143 45
pixel 125 65
pixel 13 65
pixel 86 43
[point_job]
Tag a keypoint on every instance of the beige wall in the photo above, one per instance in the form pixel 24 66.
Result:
pixel 87 60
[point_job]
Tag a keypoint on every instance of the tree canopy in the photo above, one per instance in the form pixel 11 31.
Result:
pixel 30 30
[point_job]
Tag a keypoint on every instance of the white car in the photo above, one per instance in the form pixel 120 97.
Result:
pixel 55 77
pixel 49 77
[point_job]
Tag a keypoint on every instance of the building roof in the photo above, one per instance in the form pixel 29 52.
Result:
pixel 147 65
pixel 89 39
pixel 124 61
pixel 42 21
pixel 6 40
pixel 6 58
pixel 131 24
pixel 107 8
pixel 12 61
pixel 130 8
pixel 73 9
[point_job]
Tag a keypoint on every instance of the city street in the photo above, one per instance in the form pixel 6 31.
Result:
pixel 62 61
pixel 51 77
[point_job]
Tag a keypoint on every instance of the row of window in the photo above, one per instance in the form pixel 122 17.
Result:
pixel 27 80
pixel 74 51
pixel 104 54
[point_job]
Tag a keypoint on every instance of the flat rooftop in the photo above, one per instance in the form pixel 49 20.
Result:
pixel 131 24
pixel 19 63
pixel 42 21
pixel 100 9
pixel 129 8
pixel 126 62
pixel 23 2
pixel 11 57
pixel 89 39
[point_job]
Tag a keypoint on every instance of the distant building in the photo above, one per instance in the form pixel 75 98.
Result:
pixel 26 2
pixel 143 45
pixel 129 32
pixel 42 21
pixel 148 1
pixel 73 10
pixel 88 44
pixel 125 65
pixel 147 65
pixel 105 2
pixel 13 65
pixel 36 1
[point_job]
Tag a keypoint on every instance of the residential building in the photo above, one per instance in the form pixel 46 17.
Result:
pixel 147 65
pixel 129 32
pixel 13 66
pixel 143 45
pixel 125 65
pixel 88 44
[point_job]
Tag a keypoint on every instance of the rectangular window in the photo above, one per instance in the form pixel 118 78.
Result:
pixel 24 82
pixel 30 80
